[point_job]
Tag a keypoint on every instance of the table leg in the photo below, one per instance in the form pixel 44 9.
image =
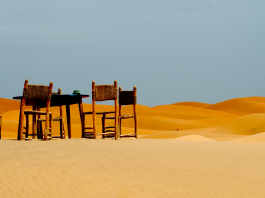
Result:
pixel 20 123
pixel 80 104
pixel 68 121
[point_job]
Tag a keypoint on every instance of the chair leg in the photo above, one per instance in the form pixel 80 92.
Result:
pixel 120 125
pixel 83 126
pixel 94 126
pixel 41 131
pixel 50 126
pixel 61 129
pixel 135 127
pixel 103 125
pixel 27 126
pixel 38 129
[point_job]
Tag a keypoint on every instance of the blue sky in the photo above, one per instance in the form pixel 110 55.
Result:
pixel 173 51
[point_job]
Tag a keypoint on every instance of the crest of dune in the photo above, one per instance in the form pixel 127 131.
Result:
pixel 190 134
pixel 195 138
pixel 186 112
pixel 192 104
pixel 241 106
pixel 246 125
pixel 257 138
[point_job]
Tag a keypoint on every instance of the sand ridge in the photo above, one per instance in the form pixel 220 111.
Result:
pixel 241 106
pixel 245 125
pixel 193 104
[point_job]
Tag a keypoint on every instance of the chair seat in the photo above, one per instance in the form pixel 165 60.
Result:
pixel 126 116
pixel 99 112
pixel 107 133
pixel 121 117
pixel 54 119
pixel 36 112
pixel 128 135
pixel 88 134
pixel 57 118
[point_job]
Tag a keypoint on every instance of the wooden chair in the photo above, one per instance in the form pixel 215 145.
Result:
pixel 32 95
pixel 102 93
pixel 59 119
pixel 127 98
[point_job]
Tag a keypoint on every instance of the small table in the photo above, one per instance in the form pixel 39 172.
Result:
pixel 59 100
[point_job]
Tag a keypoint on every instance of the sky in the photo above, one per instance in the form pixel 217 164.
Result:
pixel 172 50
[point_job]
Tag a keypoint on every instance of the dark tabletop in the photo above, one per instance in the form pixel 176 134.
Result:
pixel 58 99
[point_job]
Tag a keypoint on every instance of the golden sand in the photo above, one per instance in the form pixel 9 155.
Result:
pixel 185 149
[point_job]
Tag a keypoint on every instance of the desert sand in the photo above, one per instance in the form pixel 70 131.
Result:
pixel 187 149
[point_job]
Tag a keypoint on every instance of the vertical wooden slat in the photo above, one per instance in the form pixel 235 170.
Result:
pixel 38 109
pixel 38 125
pixel 94 110
pixel 61 107
pixel 135 112
pixel 34 120
pixel 116 111
pixel 119 120
pixel 62 130
pixel 21 113
pixel 48 110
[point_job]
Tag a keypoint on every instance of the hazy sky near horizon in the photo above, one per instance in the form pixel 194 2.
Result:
pixel 173 51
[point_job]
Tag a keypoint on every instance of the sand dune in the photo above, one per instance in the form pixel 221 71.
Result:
pixel 200 123
pixel 8 105
pixel 256 138
pixel 241 106
pixel 184 150
pixel 192 104
pixel 195 138
pixel 156 123
pixel 205 132
pixel 187 112
pixel 246 125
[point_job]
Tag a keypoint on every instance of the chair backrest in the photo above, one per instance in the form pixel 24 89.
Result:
pixel 127 97
pixel 37 92
pixel 104 92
